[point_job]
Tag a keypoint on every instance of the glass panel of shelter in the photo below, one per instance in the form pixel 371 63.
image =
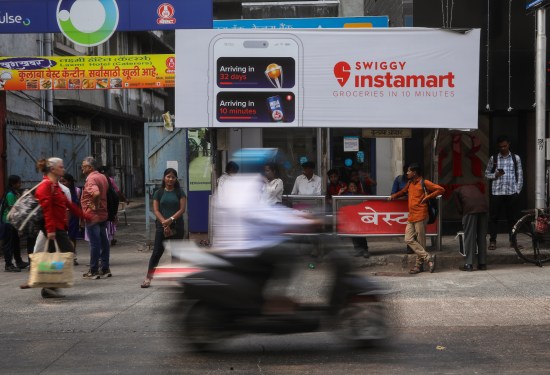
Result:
pixel 298 145
pixel 362 158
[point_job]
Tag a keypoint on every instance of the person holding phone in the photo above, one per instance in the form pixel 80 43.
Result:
pixel 505 173
pixel 169 204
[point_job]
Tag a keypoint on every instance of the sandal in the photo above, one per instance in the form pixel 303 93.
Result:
pixel 492 245
pixel 417 269
pixel 431 263
pixel 146 283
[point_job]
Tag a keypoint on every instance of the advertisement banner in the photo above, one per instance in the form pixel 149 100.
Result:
pixel 303 23
pixel 376 217
pixel 74 18
pixel 375 78
pixel 45 16
pixel 87 72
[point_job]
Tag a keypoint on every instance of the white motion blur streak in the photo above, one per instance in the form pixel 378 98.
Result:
pixel 243 223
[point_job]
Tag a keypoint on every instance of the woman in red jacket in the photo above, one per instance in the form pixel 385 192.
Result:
pixel 54 205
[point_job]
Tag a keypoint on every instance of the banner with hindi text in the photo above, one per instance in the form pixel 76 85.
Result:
pixel 87 72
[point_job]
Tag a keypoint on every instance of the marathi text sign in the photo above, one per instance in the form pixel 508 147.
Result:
pixel 380 78
pixel 376 217
pixel 87 72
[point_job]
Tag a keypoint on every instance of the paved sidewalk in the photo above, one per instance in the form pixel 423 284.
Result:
pixel 388 254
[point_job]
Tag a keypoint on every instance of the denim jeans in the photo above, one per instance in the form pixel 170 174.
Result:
pixel 99 245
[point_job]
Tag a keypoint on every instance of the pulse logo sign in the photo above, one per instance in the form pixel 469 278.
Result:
pixel 342 72
pixel 10 19
pixel 76 23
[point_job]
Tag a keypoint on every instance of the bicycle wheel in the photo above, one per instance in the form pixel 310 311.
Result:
pixel 531 246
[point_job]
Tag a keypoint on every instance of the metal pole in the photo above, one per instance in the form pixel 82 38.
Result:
pixel 540 100
pixel 49 93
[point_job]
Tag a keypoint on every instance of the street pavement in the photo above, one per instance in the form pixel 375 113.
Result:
pixel 495 321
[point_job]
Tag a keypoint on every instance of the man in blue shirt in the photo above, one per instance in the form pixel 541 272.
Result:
pixel 506 175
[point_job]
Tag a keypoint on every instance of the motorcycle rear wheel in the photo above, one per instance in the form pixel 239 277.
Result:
pixel 363 324
pixel 204 327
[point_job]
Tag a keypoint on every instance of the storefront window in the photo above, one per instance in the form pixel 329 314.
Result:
pixel 298 146
pixel 349 151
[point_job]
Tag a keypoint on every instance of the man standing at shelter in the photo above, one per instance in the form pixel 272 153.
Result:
pixel 231 169
pixel 419 191
pixel 94 205
pixel 506 175
pixel 471 203
pixel 307 183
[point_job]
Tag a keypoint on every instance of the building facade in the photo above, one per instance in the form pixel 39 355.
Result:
pixel 111 122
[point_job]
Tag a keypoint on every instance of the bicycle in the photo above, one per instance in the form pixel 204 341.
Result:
pixel 533 236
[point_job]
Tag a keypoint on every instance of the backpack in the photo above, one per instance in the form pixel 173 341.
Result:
pixel 113 201
pixel 433 208
pixel 26 214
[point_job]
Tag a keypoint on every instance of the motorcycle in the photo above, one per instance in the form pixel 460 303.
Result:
pixel 225 298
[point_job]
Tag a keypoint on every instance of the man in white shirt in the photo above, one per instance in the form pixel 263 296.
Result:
pixel 231 169
pixel 307 183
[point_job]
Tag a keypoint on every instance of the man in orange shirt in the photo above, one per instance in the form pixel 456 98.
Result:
pixel 415 233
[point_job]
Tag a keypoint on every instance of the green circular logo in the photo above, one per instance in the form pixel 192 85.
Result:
pixel 76 24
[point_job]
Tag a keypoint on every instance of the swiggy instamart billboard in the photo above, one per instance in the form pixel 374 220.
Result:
pixel 366 78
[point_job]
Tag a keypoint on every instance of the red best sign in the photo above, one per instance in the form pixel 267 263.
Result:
pixel 376 217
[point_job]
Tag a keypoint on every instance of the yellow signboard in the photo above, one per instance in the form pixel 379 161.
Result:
pixel 87 72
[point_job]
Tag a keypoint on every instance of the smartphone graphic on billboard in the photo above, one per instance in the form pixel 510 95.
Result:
pixel 255 80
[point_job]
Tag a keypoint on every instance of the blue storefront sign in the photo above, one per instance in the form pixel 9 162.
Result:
pixel 303 23
pixel 74 16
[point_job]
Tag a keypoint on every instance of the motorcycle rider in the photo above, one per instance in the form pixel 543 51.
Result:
pixel 251 235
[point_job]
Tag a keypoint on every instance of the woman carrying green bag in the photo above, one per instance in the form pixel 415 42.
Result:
pixel 54 205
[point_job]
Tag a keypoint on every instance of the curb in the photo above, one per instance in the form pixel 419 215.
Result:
pixel 444 261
